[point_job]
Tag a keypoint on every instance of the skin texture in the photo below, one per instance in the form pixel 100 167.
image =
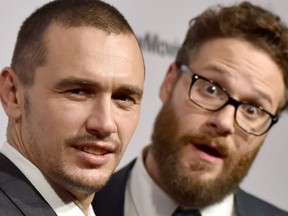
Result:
pixel 197 156
pixel 75 121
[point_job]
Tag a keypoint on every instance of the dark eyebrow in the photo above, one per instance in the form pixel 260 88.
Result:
pixel 70 81
pixel 130 89
pixel 75 81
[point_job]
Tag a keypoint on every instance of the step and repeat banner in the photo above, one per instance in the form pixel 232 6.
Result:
pixel 160 26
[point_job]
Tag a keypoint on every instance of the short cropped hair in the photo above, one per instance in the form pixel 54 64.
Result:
pixel 246 21
pixel 30 49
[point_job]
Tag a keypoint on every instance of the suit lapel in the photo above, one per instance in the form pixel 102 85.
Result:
pixel 20 191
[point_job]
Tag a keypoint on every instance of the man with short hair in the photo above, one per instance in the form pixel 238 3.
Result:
pixel 72 95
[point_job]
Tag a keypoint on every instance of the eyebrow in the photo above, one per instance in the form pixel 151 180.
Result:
pixel 74 81
pixel 221 71
pixel 265 96
pixel 131 90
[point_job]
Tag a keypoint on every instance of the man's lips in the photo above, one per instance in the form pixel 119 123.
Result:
pixel 95 154
pixel 95 148
pixel 211 151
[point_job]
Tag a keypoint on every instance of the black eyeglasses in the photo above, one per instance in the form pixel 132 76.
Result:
pixel 209 96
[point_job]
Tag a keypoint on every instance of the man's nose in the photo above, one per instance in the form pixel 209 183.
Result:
pixel 101 119
pixel 222 122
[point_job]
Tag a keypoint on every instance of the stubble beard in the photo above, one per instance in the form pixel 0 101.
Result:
pixel 60 176
pixel 85 182
pixel 180 182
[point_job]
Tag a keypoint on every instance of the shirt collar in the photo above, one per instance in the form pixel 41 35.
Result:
pixel 35 176
pixel 150 199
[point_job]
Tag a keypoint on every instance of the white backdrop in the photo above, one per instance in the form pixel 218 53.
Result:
pixel 161 26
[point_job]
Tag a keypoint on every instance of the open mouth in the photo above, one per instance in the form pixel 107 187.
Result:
pixel 214 152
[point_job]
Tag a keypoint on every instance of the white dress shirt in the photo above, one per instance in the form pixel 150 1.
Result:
pixel 35 176
pixel 144 197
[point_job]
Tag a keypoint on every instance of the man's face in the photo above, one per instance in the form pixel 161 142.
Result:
pixel 82 110
pixel 199 156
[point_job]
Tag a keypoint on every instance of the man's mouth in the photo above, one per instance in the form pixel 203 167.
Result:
pixel 214 151
pixel 94 150
pixel 95 154
pixel 208 150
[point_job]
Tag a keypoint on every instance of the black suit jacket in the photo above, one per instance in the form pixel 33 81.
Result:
pixel 110 200
pixel 18 196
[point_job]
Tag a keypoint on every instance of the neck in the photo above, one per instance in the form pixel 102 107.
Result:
pixel 151 166
pixel 82 199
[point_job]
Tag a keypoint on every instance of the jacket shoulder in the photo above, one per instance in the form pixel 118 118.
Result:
pixel 17 195
pixel 7 207
pixel 248 204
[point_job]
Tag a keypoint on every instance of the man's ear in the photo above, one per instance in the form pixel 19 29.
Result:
pixel 168 82
pixel 9 93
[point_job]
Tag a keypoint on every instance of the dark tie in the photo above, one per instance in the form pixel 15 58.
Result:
pixel 188 212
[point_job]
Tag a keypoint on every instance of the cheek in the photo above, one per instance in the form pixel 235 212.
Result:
pixel 63 119
pixel 248 145
pixel 187 115
pixel 189 120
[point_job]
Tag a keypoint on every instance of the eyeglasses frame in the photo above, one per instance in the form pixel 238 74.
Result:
pixel 231 101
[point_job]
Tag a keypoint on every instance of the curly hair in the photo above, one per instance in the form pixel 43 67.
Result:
pixel 252 23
